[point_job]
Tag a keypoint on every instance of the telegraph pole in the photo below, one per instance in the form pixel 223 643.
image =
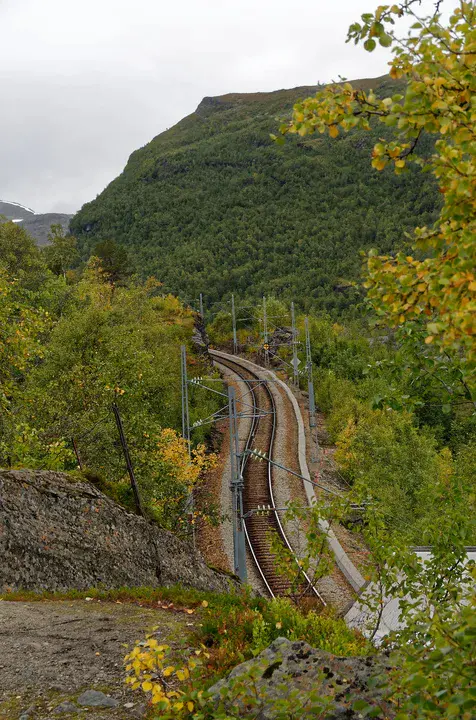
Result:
pixel 295 353
pixel 239 552
pixel 233 317
pixel 128 460
pixel 310 388
pixel 265 333
pixel 76 452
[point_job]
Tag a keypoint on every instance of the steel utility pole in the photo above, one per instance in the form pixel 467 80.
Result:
pixel 310 388
pixel 265 333
pixel 239 551
pixel 233 318
pixel 185 413
pixel 201 305
pixel 127 458
pixel 295 354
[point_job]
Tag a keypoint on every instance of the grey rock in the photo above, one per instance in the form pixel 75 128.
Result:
pixel 66 707
pixel 140 711
pixel 95 698
pixel 58 533
pixel 28 713
pixel 293 670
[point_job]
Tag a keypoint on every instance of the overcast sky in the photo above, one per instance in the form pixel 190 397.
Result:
pixel 83 83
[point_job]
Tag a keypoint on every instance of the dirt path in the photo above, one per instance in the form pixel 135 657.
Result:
pixel 53 651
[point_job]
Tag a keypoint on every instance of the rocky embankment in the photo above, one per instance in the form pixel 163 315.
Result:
pixel 57 533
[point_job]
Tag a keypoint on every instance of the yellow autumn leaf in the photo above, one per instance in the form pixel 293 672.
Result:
pixel 147 686
pixel 190 706
pixel 378 163
pixel 333 131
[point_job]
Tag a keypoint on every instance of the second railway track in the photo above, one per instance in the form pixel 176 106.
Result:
pixel 258 483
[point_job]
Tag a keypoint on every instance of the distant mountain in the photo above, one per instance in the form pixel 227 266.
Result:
pixel 37 224
pixel 212 205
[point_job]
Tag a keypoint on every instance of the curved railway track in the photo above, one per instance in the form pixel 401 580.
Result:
pixel 258 484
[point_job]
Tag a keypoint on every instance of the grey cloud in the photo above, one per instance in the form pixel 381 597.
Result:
pixel 83 84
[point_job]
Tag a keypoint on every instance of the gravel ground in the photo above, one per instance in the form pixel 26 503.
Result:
pixel 352 542
pixel 53 651
pixel 322 462
pixel 210 537
pixel 333 587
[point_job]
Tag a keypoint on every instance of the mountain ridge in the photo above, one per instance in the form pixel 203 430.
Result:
pixel 37 224
pixel 212 205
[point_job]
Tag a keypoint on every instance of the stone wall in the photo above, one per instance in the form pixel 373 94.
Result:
pixel 57 533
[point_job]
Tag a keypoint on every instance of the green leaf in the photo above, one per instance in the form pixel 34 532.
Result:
pixel 362 706
pixel 385 40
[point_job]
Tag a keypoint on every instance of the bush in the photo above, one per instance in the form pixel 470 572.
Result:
pixel 384 454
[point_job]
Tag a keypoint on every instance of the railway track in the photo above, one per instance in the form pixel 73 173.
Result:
pixel 258 485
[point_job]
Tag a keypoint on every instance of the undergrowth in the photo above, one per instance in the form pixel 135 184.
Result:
pixel 233 627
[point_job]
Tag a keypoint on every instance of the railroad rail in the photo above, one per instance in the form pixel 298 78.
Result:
pixel 258 485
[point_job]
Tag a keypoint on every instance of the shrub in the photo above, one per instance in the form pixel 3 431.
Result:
pixel 391 460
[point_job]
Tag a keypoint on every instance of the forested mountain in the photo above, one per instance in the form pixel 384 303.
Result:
pixel 213 205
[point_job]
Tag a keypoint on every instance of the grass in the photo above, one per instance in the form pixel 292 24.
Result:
pixel 233 627
pixel 176 594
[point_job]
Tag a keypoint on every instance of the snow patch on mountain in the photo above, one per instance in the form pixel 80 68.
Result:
pixel 23 207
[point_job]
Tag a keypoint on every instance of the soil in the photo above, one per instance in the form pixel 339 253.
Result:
pixel 52 651
pixel 209 537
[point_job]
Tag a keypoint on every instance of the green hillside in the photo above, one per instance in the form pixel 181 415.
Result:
pixel 214 206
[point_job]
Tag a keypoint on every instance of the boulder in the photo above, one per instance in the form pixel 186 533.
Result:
pixel 57 533
pixel 299 674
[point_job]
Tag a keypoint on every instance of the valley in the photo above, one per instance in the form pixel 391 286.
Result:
pixel 238 396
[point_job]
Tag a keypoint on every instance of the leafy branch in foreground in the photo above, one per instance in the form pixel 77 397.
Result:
pixel 436 285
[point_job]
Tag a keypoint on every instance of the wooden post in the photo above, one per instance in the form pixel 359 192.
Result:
pixel 127 457
pixel 76 452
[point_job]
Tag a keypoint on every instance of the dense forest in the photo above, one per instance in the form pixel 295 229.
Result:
pixel 402 420
pixel 72 343
pixel 213 205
